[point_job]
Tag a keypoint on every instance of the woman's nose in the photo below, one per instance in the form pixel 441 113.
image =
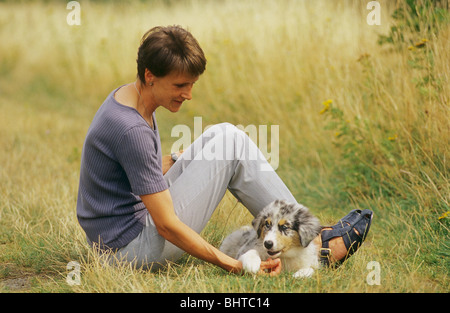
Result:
pixel 187 94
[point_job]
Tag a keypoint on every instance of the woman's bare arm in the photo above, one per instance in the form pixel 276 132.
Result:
pixel 174 230
pixel 170 227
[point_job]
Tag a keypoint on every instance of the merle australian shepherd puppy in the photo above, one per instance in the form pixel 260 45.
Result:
pixel 281 230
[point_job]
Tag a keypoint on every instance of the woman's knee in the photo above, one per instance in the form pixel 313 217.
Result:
pixel 228 142
pixel 227 130
pixel 217 129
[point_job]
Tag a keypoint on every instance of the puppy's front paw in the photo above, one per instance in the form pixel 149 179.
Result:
pixel 304 273
pixel 251 261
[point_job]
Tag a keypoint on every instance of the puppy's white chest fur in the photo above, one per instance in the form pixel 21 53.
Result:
pixel 302 261
pixel 299 257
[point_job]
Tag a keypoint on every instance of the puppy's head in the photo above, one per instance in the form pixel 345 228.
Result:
pixel 282 225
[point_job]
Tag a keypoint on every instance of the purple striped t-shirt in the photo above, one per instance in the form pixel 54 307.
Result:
pixel 121 159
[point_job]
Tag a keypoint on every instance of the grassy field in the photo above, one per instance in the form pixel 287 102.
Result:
pixel 364 123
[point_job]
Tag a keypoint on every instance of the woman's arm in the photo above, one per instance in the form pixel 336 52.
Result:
pixel 174 230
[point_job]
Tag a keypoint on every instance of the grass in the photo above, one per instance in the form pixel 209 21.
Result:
pixel 362 125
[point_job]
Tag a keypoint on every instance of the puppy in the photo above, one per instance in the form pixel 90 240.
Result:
pixel 281 230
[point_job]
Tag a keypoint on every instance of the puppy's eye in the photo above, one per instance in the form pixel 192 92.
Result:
pixel 267 224
pixel 283 227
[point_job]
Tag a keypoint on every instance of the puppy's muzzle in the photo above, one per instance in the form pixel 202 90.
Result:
pixel 268 244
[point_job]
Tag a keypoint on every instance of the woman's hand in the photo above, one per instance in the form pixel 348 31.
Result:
pixel 167 162
pixel 271 267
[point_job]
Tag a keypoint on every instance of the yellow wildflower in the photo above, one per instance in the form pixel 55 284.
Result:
pixel 393 138
pixel 326 106
pixel 444 215
pixel 421 43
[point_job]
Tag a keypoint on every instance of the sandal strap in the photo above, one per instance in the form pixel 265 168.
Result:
pixel 347 224
pixel 345 228
pixel 325 254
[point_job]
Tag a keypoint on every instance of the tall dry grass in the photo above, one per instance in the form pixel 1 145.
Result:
pixel 362 125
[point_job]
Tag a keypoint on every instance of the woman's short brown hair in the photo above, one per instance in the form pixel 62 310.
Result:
pixel 167 49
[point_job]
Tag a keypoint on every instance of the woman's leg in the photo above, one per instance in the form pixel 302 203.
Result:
pixel 222 158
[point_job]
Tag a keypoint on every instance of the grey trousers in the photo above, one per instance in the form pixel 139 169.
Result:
pixel 222 158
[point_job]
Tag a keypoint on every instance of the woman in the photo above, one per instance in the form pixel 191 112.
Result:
pixel 150 209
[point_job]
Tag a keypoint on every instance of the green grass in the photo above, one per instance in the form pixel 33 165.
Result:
pixel 381 142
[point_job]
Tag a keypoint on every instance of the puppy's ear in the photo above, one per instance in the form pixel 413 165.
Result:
pixel 258 223
pixel 307 226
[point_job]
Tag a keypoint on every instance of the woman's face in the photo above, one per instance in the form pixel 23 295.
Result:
pixel 170 91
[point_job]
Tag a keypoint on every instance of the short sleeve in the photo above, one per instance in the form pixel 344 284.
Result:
pixel 138 152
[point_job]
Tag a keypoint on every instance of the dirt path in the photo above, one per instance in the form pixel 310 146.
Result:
pixel 15 278
pixel 19 284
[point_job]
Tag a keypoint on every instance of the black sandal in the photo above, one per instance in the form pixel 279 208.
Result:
pixel 356 220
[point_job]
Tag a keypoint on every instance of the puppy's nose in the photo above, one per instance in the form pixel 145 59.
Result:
pixel 268 244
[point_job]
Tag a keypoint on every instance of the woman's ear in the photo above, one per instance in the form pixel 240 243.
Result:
pixel 149 77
